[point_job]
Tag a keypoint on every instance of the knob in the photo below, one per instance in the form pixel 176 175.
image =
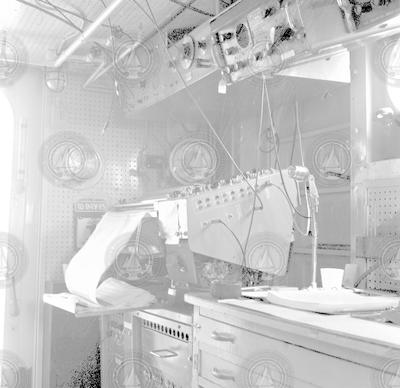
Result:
pixel 227 36
pixel 202 44
pixel 231 51
pixel 203 63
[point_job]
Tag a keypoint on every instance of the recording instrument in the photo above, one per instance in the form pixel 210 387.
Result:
pixel 262 38
pixel 243 224
pixel 363 14
pixel 192 54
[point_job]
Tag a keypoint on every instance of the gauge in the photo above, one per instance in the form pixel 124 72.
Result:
pixel 187 52
pixel 242 35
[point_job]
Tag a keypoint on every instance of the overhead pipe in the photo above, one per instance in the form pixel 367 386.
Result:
pixel 87 33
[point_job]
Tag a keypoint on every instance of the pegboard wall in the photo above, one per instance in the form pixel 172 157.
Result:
pixel 383 211
pixel 86 112
pixel 383 222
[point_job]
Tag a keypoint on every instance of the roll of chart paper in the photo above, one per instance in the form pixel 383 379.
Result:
pixel 87 267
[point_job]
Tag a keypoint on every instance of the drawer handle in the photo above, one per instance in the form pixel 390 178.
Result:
pixel 163 353
pixel 222 375
pixel 222 337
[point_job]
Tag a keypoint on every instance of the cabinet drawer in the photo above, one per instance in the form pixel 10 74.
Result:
pixel 224 373
pixel 168 355
pixel 230 338
pixel 219 371
pixel 297 368
pixel 231 357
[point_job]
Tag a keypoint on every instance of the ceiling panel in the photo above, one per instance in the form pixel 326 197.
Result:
pixel 42 34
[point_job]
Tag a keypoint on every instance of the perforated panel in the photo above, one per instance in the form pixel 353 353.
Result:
pixel 383 221
pixel 85 113
pixel 383 208
pixel 379 280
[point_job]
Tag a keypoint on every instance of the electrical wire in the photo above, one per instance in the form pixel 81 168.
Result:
pixel 293 146
pixel 307 198
pixel 57 9
pixel 214 222
pixel 277 154
pixel 195 102
pixel 299 133
pixel 116 93
pixel 253 209
pixel 72 13
pixel 41 9
pixel 194 9
pixel 368 272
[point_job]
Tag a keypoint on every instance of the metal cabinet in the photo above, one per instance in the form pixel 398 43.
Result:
pixel 238 348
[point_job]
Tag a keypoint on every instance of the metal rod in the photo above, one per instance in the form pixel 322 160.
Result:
pixel 314 248
pixel 27 3
pixel 87 33
pixel 194 9
pixel 100 72
pixel 102 69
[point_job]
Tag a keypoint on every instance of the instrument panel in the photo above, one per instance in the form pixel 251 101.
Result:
pixel 222 224
pixel 263 39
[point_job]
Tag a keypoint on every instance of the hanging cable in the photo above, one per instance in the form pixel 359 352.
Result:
pixel 307 198
pixel 299 133
pixel 232 233
pixel 116 93
pixel 253 209
pixel 277 154
pixel 194 100
pixel 194 9
pixel 41 9
pixel 57 9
